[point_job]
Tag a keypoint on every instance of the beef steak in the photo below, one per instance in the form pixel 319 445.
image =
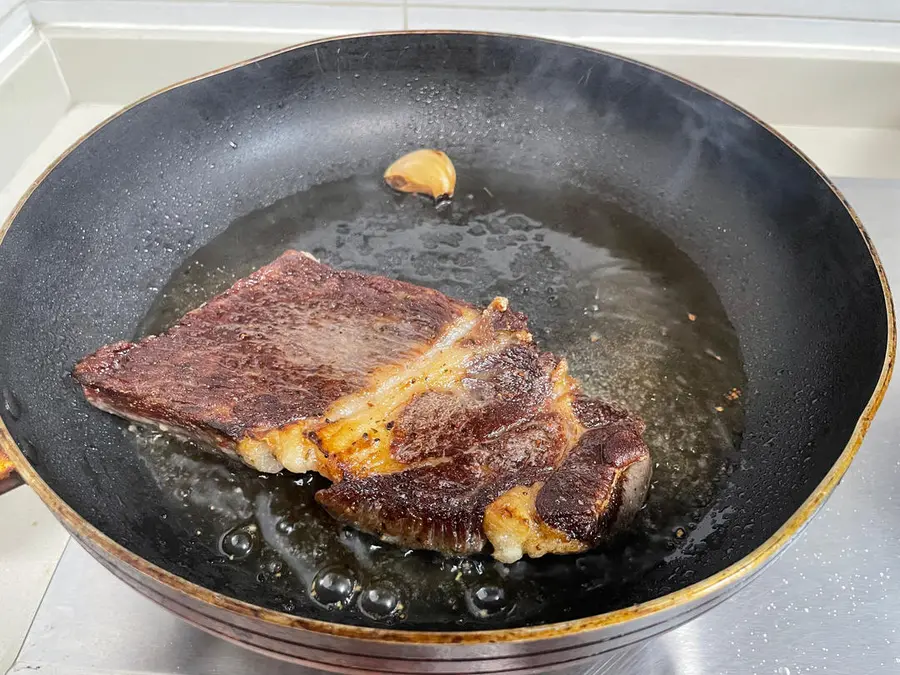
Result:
pixel 441 425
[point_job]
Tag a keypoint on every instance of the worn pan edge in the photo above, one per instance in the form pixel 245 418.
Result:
pixel 744 567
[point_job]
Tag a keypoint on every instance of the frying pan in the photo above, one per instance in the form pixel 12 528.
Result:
pixel 688 261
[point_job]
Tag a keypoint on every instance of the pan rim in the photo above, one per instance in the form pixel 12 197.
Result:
pixel 741 570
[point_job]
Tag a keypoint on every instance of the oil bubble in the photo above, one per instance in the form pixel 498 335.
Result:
pixel 333 588
pixel 487 600
pixel 380 602
pixel 239 543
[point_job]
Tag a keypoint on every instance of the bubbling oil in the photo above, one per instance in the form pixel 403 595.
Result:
pixel 636 319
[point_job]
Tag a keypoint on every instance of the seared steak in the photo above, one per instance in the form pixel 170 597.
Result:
pixel 441 426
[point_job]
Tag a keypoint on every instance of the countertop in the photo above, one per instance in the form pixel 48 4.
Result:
pixel 827 605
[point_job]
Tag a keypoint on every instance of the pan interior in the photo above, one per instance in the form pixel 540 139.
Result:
pixel 637 320
pixel 608 184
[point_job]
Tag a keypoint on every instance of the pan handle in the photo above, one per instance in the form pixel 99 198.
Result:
pixel 9 477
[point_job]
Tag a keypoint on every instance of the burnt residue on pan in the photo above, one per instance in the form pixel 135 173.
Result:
pixel 638 321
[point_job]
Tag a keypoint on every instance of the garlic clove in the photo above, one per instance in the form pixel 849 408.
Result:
pixel 427 172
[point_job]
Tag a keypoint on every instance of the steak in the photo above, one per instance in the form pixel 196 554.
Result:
pixel 441 425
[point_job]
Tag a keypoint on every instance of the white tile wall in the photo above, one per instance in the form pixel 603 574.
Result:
pixel 835 9
pixel 655 26
pixel 15 25
pixel 281 15
pixel 855 24
pixel 884 10
pixel 7 6
pixel 27 102
pixel 33 98
pixel 108 68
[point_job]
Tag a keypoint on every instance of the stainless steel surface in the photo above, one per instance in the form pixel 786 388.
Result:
pixel 828 605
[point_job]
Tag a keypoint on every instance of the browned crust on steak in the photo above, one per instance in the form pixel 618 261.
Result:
pixel 441 507
pixel 236 366
pixel 593 488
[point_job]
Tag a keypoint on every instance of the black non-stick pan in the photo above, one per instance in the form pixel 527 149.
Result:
pixel 688 262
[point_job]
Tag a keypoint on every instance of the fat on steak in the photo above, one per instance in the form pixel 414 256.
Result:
pixel 441 425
